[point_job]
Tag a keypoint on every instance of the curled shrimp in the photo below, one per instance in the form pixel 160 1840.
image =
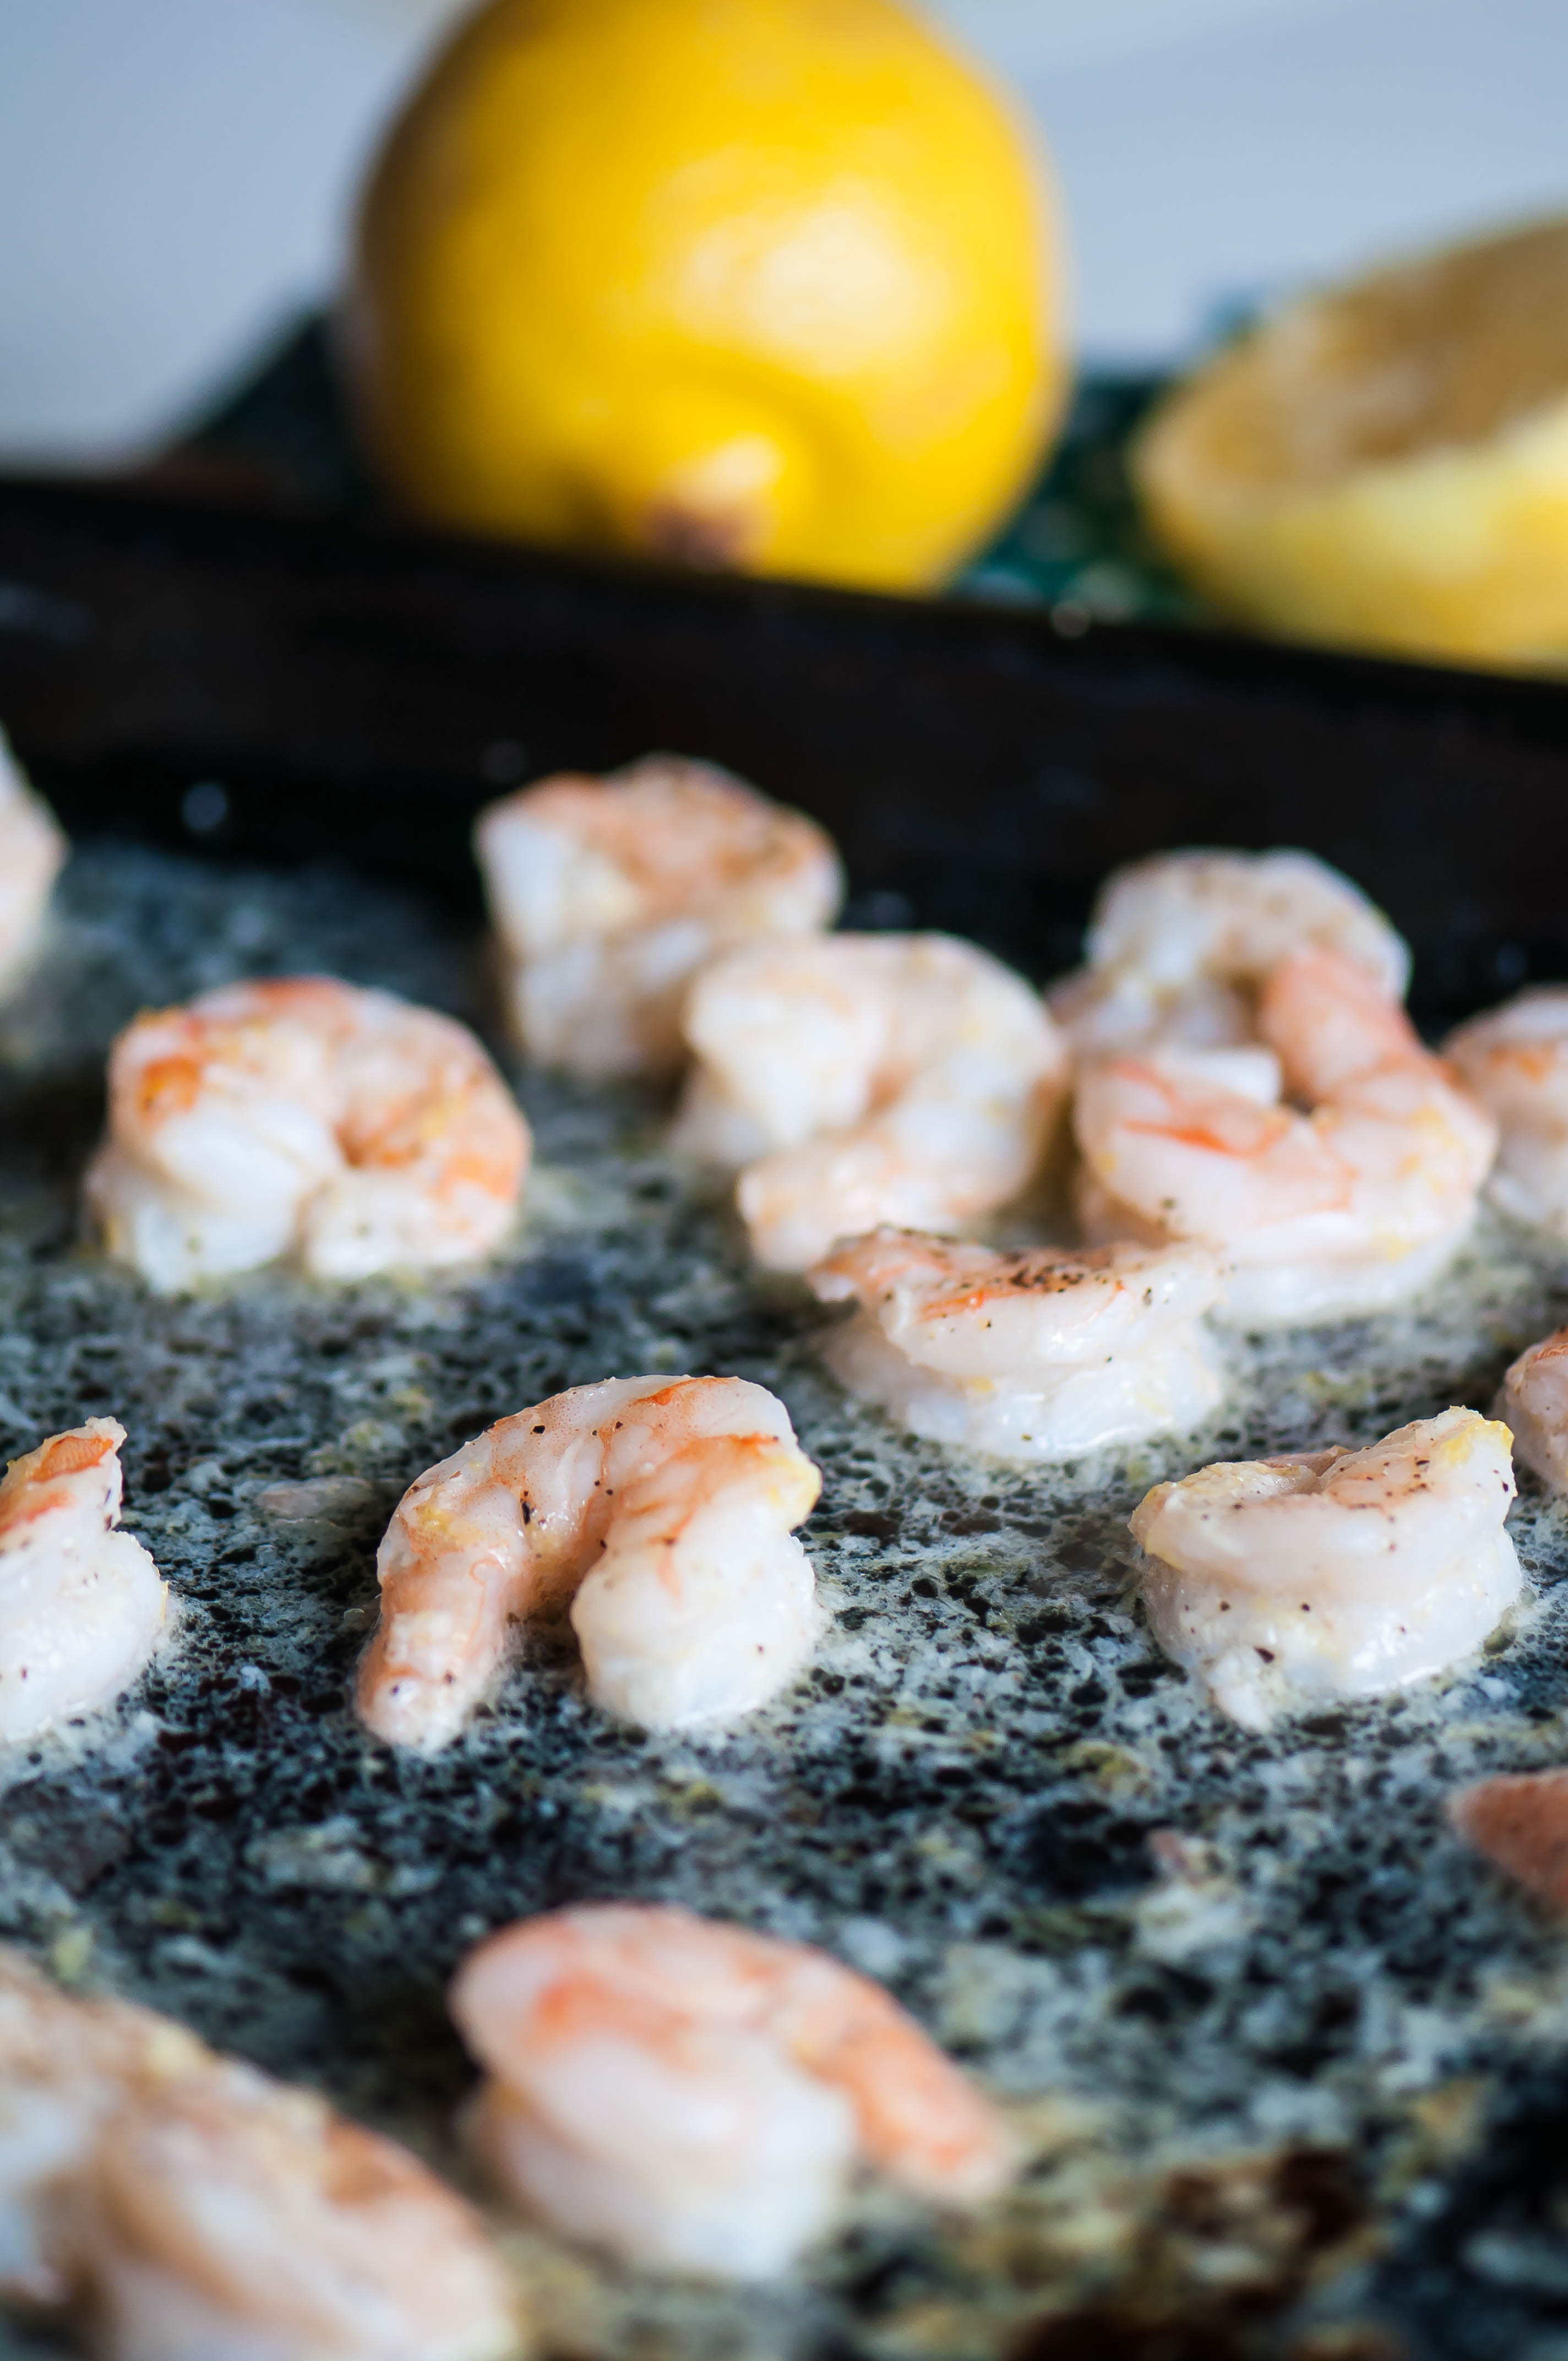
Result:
pixel 80 1604
pixel 1337 1573
pixel 1535 1404
pixel 32 853
pixel 1519 1822
pixel 1515 1060
pixel 65 2065
pixel 1178 946
pixel 607 896
pixel 659 1507
pixel 1343 1210
pixel 223 2213
pixel 194 2209
pixel 695 2097
pixel 1036 1355
pixel 303 1117
pixel 863 1078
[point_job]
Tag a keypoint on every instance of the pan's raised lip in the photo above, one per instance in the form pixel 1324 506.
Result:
pixel 360 686
pixel 157 519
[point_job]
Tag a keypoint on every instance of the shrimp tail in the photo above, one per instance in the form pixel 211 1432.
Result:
pixel 444 1632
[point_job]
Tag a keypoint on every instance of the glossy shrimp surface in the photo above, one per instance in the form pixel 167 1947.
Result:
pixel 32 853
pixel 1342 1209
pixel 1037 1354
pixel 65 2065
pixel 1535 1404
pixel 1178 946
pixel 82 1606
pixel 866 1078
pixel 190 2209
pixel 609 894
pixel 1515 1060
pixel 1283 1582
pixel 309 1118
pixel 695 2097
pixel 659 1508
pixel 225 2214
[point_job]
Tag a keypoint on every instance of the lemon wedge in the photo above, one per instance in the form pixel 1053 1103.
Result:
pixel 1384 466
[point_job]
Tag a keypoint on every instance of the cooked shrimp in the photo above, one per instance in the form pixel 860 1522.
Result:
pixel 1341 1211
pixel 861 1079
pixel 659 1507
pixel 303 1117
pixel 65 2065
pixel 1179 944
pixel 80 1604
pixel 1535 1403
pixel 1234 916
pixel 1520 1823
pixel 694 2096
pixel 607 896
pixel 1034 1355
pixel 31 851
pixel 195 2210
pixel 1337 1573
pixel 224 2215
pixel 1515 1060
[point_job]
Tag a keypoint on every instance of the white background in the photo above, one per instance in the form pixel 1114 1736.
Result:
pixel 174 173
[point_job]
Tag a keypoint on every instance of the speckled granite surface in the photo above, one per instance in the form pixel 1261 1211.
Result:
pixel 1256 2081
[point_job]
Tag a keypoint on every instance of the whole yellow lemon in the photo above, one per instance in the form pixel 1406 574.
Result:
pixel 768 284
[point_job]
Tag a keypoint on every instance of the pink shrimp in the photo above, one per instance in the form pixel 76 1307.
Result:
pixel 1332 1573
pixel 303 1117
pixel 1037 1354
pixel 659 1507
pixel 223 2213
pixel 1535 1403
pixel 195 2208
pixel 609 894
pixel 80 1604
pixel 1346 1208
pixel 65 2065
pixel 1514 1060
pixel 1179 944
pixel 695 2096
pixel 863 1078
